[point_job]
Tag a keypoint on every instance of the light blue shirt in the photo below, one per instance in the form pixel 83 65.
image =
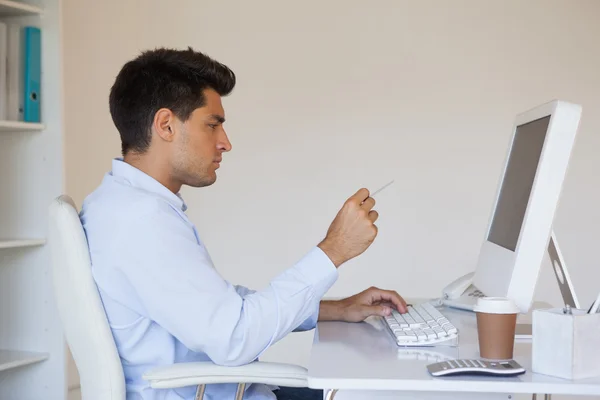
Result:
pixel 165 301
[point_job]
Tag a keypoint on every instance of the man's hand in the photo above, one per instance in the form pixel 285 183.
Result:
pixel 353 229
pixel 373 301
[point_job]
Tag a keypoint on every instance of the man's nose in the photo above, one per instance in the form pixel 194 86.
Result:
pixel 224 143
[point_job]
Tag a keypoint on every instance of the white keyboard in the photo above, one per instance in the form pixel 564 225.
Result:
pixel 422 325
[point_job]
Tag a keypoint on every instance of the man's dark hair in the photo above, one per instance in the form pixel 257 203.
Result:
pixel 162 78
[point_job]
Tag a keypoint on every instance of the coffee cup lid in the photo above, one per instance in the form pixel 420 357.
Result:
pixel 496 305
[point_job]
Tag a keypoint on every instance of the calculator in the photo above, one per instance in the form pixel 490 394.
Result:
pixel 475 367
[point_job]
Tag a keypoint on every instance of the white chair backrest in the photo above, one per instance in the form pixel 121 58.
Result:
pixel 80 308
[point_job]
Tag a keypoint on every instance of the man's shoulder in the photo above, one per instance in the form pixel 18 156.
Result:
pixel 111 199
pixel 113 208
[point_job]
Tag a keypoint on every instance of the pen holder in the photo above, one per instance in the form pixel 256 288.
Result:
pixel 566 345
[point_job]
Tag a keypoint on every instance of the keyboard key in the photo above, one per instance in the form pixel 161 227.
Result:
pixel 418 309
pixel 430 333
pixel 415 315
pixel 440 331
pixel 449 328
pixel 400 321
pixel 397 315
pixel 427 317
pixel 407 338
pixel 433 311
pixel 420 334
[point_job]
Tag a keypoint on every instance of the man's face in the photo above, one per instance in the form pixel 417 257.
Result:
pixel 202 142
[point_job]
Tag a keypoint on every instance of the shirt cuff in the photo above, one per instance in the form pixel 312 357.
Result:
pixel 318 271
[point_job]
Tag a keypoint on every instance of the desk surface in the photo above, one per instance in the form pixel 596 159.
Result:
pixel 363 356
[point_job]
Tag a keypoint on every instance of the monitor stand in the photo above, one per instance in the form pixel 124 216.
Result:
pixel 562 273
pixel 524 328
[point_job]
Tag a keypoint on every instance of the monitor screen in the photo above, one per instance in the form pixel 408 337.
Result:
pixel 516 185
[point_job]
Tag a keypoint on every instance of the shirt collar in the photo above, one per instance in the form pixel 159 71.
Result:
pixel 141 180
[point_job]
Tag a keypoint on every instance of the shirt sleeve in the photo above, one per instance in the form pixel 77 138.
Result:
pixel 308 324
pixel 180 289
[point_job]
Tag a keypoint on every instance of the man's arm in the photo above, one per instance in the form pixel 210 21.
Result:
pixel 373 301
pixel 181 291
pixel 306 325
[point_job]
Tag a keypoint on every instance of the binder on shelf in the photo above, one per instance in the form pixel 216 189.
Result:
pixel 31 72
pixel 23 74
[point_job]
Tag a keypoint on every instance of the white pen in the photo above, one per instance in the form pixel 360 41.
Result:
pixel 378 190
pixel 381 188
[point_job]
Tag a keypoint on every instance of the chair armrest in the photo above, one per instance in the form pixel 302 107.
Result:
pixel 206 372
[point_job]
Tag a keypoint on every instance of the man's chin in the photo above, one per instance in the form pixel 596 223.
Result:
pixel 204 181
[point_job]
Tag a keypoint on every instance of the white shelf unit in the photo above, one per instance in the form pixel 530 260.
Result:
pixel 15 359
pixel 18 126
pixel 13 244
pixel 32 347
pixel 9 8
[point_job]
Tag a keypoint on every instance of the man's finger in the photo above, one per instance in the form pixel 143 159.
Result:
pixel 380 310
pixel 391 296
pixel 373 215
pixel 360 196
pixel 368 204
pixel 398 301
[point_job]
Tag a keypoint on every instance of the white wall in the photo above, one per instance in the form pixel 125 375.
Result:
pixel 335 95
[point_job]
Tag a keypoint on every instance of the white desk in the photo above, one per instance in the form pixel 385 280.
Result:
pixel 363 356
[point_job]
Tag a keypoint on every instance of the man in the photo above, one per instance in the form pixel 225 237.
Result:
pixel 165 301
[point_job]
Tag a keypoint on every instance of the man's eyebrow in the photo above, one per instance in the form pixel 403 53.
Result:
pixel 219 118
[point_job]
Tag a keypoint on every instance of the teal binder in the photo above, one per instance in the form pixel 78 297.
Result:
pixel 31 74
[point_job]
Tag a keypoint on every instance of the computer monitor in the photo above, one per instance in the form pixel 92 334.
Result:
pixel 526 200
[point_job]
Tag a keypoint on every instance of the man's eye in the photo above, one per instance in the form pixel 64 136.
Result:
pixel 212 126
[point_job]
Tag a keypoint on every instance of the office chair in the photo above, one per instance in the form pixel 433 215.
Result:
pixel 90 339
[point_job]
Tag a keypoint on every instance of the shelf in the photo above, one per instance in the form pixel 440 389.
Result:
pixel 9 8
pixel 12 126
pixel 10 244
pixel 10 359
pixel 33 363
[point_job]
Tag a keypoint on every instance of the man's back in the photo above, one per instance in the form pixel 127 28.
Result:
pixel 164 300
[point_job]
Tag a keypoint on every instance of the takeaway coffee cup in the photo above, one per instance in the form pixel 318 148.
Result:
pixel 496 322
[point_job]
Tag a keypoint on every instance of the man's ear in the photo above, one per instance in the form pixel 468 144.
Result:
pixel 164 124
